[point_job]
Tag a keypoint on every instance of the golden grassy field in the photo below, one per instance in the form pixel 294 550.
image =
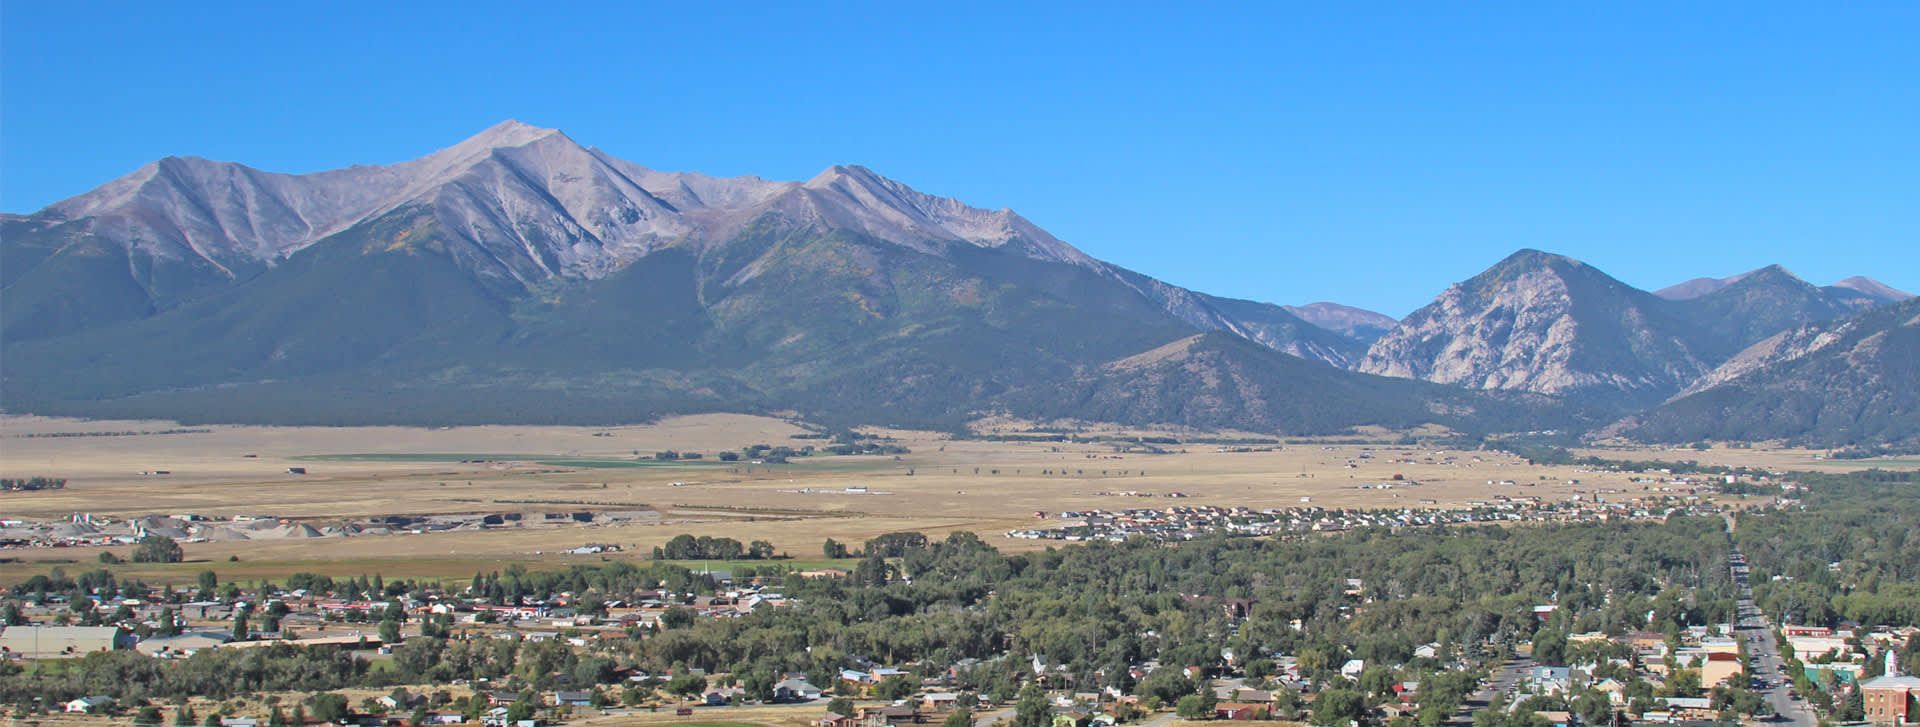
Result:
pixel 1772 458
pixel 942 486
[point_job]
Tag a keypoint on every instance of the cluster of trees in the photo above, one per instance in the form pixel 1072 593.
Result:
pixel 890 545
pixel 688 547
pixel 158 549
pixel 150 549
pixel 766 453
pixel 1852 554
pixel 30 484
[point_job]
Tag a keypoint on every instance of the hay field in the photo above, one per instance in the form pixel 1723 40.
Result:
pixel 1772 458
pixel 942 486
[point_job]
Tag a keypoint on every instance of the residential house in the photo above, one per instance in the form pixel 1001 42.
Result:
pixel 572 698
pixel 897 714
pixel 1550 679
pixel 1238 711
pixel 90 705
pixel 795 690
pixel 1352 668
pixel 1688 708
pixel 1615 691
pixel 1390 710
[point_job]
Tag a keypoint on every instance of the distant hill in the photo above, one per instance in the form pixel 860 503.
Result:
pixel 1850 382
pixel 1359 324
pixel 1857 291
pixel 520 277
pixel 1195 381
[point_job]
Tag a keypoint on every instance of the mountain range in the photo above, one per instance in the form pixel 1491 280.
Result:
pixel 1553 325
pixel 520 277
pixel 1841 382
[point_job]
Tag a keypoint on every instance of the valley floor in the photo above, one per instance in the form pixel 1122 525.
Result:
pixel 354 476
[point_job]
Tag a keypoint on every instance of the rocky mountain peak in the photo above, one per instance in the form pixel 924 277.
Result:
pixel 1543 323
pixel 508 133
pixel 1873 289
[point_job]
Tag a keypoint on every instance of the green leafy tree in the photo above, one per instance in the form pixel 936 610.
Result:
pixel 841 706
pixel 686 684
pixel 1032 710
pixel 520 710
pixel 1851 709
pixel 1340 706
pixel 158 549
pixel 894 688
pixel 1193 706
pixel 677 618
pixel 328 707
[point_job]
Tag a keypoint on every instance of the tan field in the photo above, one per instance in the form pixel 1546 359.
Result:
pixel 1780 459
pixel 942 486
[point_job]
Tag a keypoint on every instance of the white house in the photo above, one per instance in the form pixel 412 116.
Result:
pixel 88 705
pixel 1352 668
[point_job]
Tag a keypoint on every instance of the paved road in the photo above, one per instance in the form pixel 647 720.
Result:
pixel 991 718
pixel 1765 651
pixel 1504 677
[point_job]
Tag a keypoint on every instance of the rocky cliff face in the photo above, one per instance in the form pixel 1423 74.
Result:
pixel 1546 324
pixel 1552 325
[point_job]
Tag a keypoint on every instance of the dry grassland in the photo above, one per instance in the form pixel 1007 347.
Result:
pixel 942 486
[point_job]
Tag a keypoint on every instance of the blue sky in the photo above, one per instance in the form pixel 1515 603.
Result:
pixel 1370 153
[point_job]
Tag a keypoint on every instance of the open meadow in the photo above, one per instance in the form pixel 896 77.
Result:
pixel 942 485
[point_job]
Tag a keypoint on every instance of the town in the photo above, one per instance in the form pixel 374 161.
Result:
pixel 643 640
